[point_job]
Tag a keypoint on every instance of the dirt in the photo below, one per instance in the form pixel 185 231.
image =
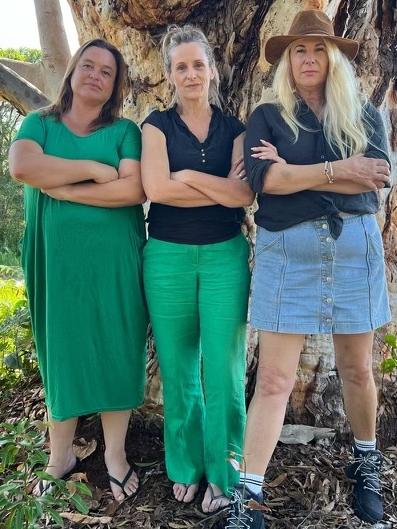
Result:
pixel 305 485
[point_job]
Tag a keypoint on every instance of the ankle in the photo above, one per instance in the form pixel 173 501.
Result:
pixel 115 454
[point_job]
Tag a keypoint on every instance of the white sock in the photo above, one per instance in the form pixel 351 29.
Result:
pixel 253 482
pixel 365 446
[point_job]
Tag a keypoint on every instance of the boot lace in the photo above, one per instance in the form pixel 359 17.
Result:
pixel 238 517
pixel 368 467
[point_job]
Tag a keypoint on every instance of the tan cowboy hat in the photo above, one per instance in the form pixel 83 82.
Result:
pixel 309 23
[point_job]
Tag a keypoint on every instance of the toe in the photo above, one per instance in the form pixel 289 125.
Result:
pixel 190 493
pixel 179 491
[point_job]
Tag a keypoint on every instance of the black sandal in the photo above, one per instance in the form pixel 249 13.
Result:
pixel 46 489
pixel 215 497
pixel 123 483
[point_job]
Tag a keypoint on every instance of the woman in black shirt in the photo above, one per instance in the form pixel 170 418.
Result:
pixel 316 157
pixel 196 271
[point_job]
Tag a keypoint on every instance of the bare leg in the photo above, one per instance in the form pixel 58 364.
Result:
pixel 354 363
pixel 278 361
pixel 115 426
pixel 62 458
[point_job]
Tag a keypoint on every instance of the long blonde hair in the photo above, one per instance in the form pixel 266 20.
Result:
pixel 177 35
pixel 345 124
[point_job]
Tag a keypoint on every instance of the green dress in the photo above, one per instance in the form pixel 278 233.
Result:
pixel 83 272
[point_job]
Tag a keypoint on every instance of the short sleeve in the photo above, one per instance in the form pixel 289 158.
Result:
pixel 237 126
pixel 258 129
pixel 32 128
pixel 155 118
pixel 131 144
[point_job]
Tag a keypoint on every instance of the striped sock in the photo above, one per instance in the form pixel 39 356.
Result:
pixel 365 446
pixel 253 482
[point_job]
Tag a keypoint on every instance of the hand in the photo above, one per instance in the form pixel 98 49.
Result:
pixel 267 151
pixel 104 173
pixel 237 171
pixel 370 172
pixel 59 193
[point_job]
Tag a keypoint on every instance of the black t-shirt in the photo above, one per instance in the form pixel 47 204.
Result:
pixel 204 224
pixel 277 212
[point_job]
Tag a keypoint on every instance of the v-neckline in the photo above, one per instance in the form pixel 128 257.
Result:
pixel 210 126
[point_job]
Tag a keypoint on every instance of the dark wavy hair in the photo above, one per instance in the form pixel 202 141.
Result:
pixel 111 109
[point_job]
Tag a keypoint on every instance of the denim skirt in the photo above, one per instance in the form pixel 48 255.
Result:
pixel 305 282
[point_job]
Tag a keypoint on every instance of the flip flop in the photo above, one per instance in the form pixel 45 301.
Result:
pixel 215 497
pixel 46 489
pixel 123 483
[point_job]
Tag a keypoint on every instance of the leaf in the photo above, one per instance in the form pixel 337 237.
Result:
pixel 277 481
pixel 391 339
pixel 79 503
pixel 55 516
pixel 84 449
pixel 81 518
pixel 388 366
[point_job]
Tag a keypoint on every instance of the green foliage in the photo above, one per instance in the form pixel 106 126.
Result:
pixel 21 54
pixel 16 341
pixel 11 195
pixel 21 460
pixel 388 365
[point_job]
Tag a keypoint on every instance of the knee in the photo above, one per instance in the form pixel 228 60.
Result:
pixel 357 374
pixel 273 382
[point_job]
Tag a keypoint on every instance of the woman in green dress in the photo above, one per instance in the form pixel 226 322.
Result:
pixel 81 257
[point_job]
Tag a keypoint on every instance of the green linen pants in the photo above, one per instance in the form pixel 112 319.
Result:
pixel 197 297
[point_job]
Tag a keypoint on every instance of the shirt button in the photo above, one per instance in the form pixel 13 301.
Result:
pixel 328 279
pixel 328 300
pixel 324 226
pixel 202 154
pixel 328 239
pixel 329 320
pixel 322 157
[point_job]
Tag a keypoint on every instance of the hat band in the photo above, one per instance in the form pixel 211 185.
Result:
pixel 316 32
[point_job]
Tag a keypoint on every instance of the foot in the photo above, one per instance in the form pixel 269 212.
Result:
pixel 241 515
pixel 184 492
pixel 123 480
pixel 214 499
pixel 367 490
pixel 59 468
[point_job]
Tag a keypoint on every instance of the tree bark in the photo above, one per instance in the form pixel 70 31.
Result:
pixel 19 92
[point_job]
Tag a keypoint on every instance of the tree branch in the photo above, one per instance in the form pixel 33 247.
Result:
pixel 54 43
pixel 20 93
pixel 32 72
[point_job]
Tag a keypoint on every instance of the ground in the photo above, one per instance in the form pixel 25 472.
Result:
pixel 306 487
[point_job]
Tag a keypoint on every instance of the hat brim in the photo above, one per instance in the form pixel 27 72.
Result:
pixel 276 46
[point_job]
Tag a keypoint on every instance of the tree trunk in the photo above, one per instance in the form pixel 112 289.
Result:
pixel 238 29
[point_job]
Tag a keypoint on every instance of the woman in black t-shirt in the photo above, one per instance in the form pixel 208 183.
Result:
pixel 196 271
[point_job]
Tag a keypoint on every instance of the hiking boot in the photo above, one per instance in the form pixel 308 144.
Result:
pixel 367 491
pixel 240 515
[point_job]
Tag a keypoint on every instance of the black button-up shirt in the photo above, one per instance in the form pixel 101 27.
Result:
pixel 204 224
pixel 277 212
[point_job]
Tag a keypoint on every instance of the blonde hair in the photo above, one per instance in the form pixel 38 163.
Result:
pixel 177 35
pixel 345 125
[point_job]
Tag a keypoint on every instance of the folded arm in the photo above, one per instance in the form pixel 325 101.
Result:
pixel 29 164
pixel 126 191
pixel 156 177
pixel 232 191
